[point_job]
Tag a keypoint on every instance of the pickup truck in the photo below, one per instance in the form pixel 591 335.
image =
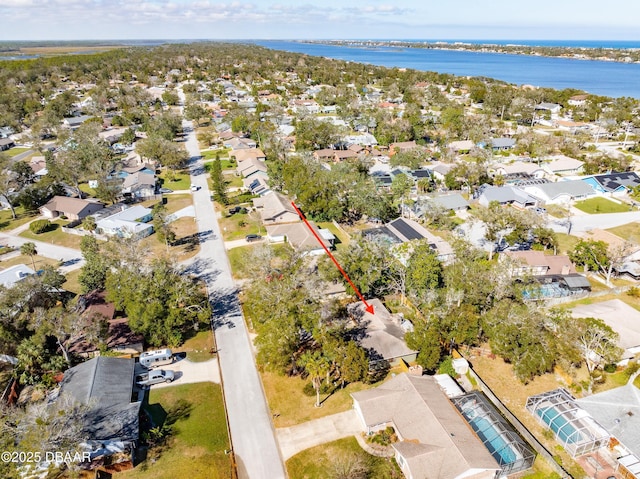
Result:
pixel 154 377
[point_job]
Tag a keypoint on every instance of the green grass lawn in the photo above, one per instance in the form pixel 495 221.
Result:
pixel 175 180
pixel 196 448
pixel 557 211
pixel 16 151
pixel 225 163
pixel 233 181
pixel 172 202
pixel 72 284
pixel 629 232
pixel 55 236
pixel 39 261
pixel 239 225
pixel 566 243
pixel 241 258
pixel 198 348
pixel 208 155
pixel 291 406
pixel 601 205
pixel 319 462
pixel 342 237
pixel 7 222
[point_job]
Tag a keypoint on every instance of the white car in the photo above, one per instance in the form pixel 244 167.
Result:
pixel 194 188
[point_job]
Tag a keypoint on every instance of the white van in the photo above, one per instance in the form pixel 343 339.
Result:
pixel 152 359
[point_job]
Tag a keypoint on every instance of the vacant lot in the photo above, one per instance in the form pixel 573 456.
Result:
pixel 601 205
pixel 195 449
pixel 290 406
pixel 629 232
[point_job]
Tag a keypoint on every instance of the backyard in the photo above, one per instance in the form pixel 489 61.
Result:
pixel 195 448
pixel 601 205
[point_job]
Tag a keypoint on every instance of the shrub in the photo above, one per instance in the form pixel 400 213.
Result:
pixel 40 226
pixel 446 367
pixel 634 292
pixel 610 368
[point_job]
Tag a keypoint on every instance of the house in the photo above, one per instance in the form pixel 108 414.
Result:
pixel 275 208
pixel 139 185
pixel 247 154
pixel 250 166
pixel 239 143
pixel 72 208
pixel 454 202
pixel 578 100
pixel 619 316
pixel 614 183
pixel 505 195
pixel 464 146
pixel 38 165
pixel 552 108
pixel 402 146
pixel 119 337
pixel 382 334
pixel 105 385
pixel 517 170
pixel 6 143
pixel 434 440
pixel 126 222
pixel 502 144
pixel 257 183
pixel 10 276
pixel 558 193
pixel 300 237
pixel 562 165
pixel 536 263
pixel 402 230
pixel 74 122
pixel 618 412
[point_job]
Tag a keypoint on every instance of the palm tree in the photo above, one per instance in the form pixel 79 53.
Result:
pixel 29 249
pixel 317 367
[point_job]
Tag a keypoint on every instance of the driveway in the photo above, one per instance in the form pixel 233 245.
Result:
pixel 319 431
pixel 188 372
pixel 586 222
pixel 242 242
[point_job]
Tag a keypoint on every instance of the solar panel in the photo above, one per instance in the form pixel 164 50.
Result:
pixel 406 230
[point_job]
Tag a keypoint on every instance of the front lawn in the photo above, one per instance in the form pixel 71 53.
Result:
pixel 175 180
pixel 198 348
pixel 40 262
pixel 239 225
pixel 226 163
pixel 184 247
pixel 601 205
pixel 208 155
pixel 328 460
pixel 566 243
pixel 172 203
pixel 55 236
pixel 195 449
pixel 16 151
pixel 290 406
pixel 7 222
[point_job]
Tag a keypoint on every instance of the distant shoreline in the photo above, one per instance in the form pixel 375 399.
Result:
pixel 608 54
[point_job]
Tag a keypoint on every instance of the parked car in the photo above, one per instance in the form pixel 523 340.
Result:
pixel 540 211
pixel 165 190
pixel 237 209
pixel 251 238
pixel 194 188
pixel 156 376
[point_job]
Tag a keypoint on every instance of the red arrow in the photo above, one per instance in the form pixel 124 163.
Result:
pixel 367 307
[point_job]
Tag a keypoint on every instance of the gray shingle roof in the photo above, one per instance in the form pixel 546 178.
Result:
pixel 105 385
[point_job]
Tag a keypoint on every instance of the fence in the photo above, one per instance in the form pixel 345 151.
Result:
pixel 522 430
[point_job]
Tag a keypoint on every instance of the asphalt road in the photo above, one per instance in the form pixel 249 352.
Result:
pixel 252 433
pixel 72 258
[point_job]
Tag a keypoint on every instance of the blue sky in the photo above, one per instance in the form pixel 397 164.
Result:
pixel 290 19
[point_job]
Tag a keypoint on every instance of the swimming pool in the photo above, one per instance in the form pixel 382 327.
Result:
pixel 493 440
pixel 559 424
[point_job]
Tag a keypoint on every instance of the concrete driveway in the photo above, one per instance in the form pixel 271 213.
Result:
pixel 319 431
pixel 188 372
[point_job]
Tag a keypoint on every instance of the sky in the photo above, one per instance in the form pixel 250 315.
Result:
pixel 319 19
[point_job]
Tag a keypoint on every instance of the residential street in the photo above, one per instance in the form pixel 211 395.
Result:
pixel 72 257
pixel 252 434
